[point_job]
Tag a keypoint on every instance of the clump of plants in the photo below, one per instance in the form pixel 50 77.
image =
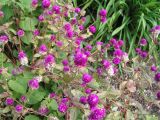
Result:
pixel 58 75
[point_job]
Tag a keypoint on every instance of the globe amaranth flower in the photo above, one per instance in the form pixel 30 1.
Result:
pixel 53 37
pixel 153 68
pixel 118 53
pixel 22 58
pixel 83 100
pixel 49 61
pixel 56 9
pixel 116 60
pixel 80 59
pixel 120 43
pixel 70 34
pixel 99 71
pixel 89 47
pixel 1 14
pixel 64 100
pixel 157 77
pixel 33 84
pixel 23 98
pixel 19 108
pixel 86 78
pixel 143 54
pixel 59 43
pixel 43 110
pixel 93 100
pixel 92 29
pixel 113 41
pixel 97 114
pixel 143 42
pixel 103 19
pixel 52 95
pixel 34 3
pixel 36 32
pixel 106 64
pixel 65 62
pixel 20 33
pixel 9 101
pixel 73 21
pixel 103 12
pixel 81 27
pixel 46 3
pixel 41 18
pixel 77 10
pixel 3 39
pixel 43 49
pixel 67 26
pixel 66 68
pixel 158 95
pixel 62 107
pixel 88 90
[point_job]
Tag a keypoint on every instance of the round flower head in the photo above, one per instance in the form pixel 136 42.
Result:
pixel 118 53
pixel 52 95
pixel 56 9
pixel 89 47
pixel 43 110
pixel 65 62
pixel 46 3
pixel 22 57
pixel 103 12
pixel 34 3
pixel 9 101
pixel 1 14
pixel 83 100
pixel 81 27
pixel 62 107
pixel 92 29
pixel 106 64
pixel 156 30
pixel 113 41
pixel 53 37
pixel 42 49
pixel 77 10
pixel 158 95
pixel 33 84
pixel 99 71
pixel 3 39
pixel 116 60
pixel 157 77
pixel 103 19
pixel 66 68
pixel 138 50
pixel 86 78
pixel 93 100
pixel 120 43
pixel 67 26
pixel 19 108
pixel 97 114
pixel 153 68
pixel 143 54
pixel 65 100
pixel 70 34
pixel 80 59
pixel 20 33
pixel 23 98
pixel 88 90
pixel 49 61
pixel 143 42
pixel 36 32
pixel 41 18
pixel 73 21
pixel 59 43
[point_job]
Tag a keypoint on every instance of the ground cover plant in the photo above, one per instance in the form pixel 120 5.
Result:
pixel 53 69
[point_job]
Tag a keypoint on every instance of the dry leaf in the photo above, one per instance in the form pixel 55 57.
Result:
pixel 131 86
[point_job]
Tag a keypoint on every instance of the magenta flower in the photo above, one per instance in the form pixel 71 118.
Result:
pixel 88 90
pixel 120 43
pixel 52 95
pixel 66 68
pixel 116 60
pixel 67 26
pixel 157 77
pixel 42 49
pixel 56 9
pixel 23 98
pixel 59 43
pixel 34 3
pixel 97 114
pixel 22 58
pixel 53 37
pixel 89 47
pixel 103 12
pixel 86 78
pixel 73 21
pixel 100 70
pixel 70 34
pixel 33 84
pixel 36 32
pixel 1 14
pixel 49 61
pixel 143 54
pixel 62 107
pixel 113 41
pixel 80 59
pixel 93 100
pixel 20 33
pixel 65 100
pixel 143 42
pixel 46 3
pixel 43 110
pixel 65 62
pixel 3 39
pixel 9 101
pixel 103 19
pixel 92 29
pixel 153 68
pixel 106 64
pixel 81 27
pixel 83 100
pixel 77 10
pixel 19 108
pixel 118 53
pixel 41 18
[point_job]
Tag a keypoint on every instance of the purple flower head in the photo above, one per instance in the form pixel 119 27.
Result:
pixel 118 53
pixel 103 19
pixel 65 100
pixel 143 54
pixel 87 53
pixel 158 95
pixel 100 70
pixel 143 42
pixel 113 41
pixel 93 100
pixel 89 47
pixel 19 108
pixel 46 3
pixel 116 60
pixel 49 60
pixel 34 3
pixel 42 49
pixel 41 18
pixel 56 9
pixel 138 50
pixel 66 68
pixel 116 46
pixel 21 55
pixel 62 107
pixel 33 84
pixel 88 90
pixel 20 33
pixel 92 29
pixel 77 10
pixel 86 78
pixel 157 77
pixel 120 43
pixel 36 32
pixel 52 95
pixel 73 21
pixel 67 26
pixel 99 43
pixel 153 68
pixel 80 59
pixel 83 19
pixel 65 62
pixel 97 114
pixel 83 100
pixel 23 98
pixel 70 34
pixel 78 42
pixel 53 37
pixel 106 64
pixel 3 39
pixel 81 27
pixel 107 45
pixel 59 43
pixel 9 101
pixel 103 12
pixel 43 110
pixel 1 14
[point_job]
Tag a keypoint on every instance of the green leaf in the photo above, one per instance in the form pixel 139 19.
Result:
pixel 3 2
pixel 31 117
pixel 36 96
pixel 53 105
pixel 27 5
pixel 8 13
pixel 28 24
pixel 27 38
pixel 73 113
pixel 16 86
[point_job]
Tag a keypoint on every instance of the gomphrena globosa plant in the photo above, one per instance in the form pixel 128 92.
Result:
pixel 63 77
